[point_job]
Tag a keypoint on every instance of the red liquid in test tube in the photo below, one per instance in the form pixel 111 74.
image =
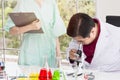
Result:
pixel 45 74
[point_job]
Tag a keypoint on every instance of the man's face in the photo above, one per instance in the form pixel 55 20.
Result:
pixel 87 40
pixel 84 41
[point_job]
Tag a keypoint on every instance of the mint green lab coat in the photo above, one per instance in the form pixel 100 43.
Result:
pixel 35 46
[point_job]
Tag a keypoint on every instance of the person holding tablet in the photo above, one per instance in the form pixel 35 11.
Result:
pixel 37 45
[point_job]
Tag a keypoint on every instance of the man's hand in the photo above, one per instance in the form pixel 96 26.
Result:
pixel 72 54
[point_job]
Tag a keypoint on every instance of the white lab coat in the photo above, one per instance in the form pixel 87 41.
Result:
pixel 107 52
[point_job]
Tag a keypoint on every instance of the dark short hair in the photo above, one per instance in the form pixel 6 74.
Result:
pixel 80 24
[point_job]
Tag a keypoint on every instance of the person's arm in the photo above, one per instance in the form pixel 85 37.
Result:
pixel 59 26
pixel 35 25
pixel 58 54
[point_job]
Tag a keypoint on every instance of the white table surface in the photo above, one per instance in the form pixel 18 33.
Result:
pixel 12 69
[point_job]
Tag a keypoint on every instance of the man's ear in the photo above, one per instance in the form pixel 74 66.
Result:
pixel 93 32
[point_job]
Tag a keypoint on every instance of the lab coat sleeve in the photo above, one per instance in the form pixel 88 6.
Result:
pixel 59 27
pixel 72 45
pixel 9 23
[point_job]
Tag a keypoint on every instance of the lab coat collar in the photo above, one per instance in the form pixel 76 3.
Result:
pixel 103 38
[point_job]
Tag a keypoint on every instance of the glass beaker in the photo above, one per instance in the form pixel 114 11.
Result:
pixel 45 72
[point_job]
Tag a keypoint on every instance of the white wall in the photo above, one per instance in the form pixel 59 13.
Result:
pixel 107 7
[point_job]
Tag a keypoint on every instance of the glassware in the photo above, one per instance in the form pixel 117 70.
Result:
pixel 2 66
pixel 45 72
pixel 56 75
pixel 3 74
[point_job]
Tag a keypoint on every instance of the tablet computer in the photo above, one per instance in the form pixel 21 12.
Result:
pixel 24 18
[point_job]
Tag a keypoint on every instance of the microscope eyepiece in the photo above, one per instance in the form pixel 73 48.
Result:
pixel 79 52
